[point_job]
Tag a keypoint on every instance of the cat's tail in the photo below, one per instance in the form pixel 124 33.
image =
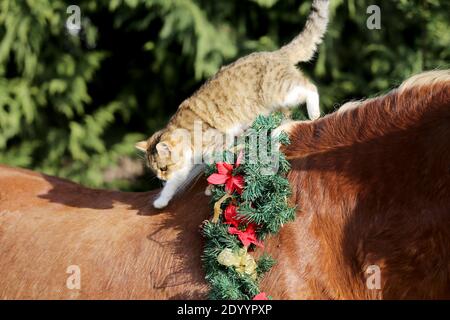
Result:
pixel 303 47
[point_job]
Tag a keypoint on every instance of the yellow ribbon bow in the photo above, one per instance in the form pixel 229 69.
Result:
pixel 240 260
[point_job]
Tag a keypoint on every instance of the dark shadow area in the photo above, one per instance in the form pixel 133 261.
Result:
pixel 183 216
pixel 74 195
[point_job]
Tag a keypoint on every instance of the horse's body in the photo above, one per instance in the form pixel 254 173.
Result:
pixel 123 247
pixel 372 184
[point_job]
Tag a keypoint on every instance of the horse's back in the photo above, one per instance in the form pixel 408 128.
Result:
pixel 61 240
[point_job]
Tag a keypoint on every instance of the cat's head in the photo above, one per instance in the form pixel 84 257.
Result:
pixel 163 155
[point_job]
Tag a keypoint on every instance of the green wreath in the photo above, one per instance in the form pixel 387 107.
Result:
pixel 249 199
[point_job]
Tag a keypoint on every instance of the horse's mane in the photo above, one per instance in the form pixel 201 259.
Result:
pixel 420 99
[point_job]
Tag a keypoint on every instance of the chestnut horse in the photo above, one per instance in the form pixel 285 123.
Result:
pixel 371 183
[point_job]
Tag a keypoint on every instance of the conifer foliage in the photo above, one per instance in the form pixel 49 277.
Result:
pixel 244 215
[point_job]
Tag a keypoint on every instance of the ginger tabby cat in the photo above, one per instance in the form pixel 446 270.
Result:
pixel 229 102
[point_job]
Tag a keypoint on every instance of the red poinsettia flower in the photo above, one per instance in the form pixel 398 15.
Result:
pixel 260 296
pixel 225 176
pixel 247 236
pixel 231 215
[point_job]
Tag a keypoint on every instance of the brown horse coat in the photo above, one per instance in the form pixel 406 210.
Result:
pixel 372 184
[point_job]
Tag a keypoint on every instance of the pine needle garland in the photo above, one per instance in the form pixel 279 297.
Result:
pixel 251 202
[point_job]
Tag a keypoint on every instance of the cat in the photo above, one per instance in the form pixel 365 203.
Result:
pixel 229 102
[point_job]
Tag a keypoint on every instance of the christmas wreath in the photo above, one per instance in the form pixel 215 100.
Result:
pixel 250 201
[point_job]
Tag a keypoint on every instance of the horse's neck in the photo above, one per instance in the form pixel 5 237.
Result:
pixel 398 113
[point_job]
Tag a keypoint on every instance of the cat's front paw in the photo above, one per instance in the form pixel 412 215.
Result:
pixel 160 203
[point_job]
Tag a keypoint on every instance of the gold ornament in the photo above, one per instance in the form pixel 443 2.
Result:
pixel 217 209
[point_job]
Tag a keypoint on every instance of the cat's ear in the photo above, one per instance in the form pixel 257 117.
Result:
pixel 163 149
pixel 141 146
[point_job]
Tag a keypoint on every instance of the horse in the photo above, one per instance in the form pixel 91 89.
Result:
pixel 371 183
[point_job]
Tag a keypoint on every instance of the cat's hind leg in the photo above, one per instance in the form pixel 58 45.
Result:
pixel 294 89
pixel 300 93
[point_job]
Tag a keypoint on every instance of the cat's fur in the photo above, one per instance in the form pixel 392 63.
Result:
pixel 230 101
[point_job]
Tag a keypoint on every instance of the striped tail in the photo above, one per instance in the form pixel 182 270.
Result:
pixel 303 47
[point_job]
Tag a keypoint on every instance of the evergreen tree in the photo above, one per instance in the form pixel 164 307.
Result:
pixel 73 105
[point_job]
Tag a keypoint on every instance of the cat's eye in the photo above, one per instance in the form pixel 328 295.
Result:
pixel 163 168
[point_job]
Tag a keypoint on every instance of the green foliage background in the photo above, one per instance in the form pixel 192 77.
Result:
pixel 73 106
